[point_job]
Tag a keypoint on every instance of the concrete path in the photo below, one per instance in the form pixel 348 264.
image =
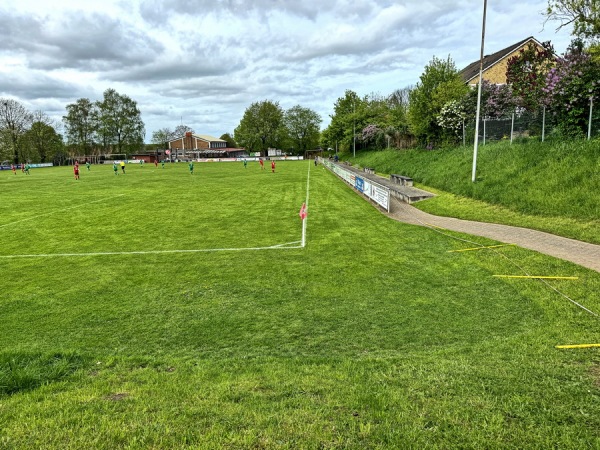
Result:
pixel 582 253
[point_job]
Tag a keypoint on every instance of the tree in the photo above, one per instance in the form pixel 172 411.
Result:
pixel 340 133
pixel 42 139
pixel 80 125
pixel 526 73
pixel 162 137
pixel 439 84
pixel 584 15
pixel 261 126
pixel 229 139
pixel 180 131
pixel 15 120
pixel 120 123
pixel 303 128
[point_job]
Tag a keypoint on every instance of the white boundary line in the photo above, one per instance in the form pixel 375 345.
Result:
pixel 286 246
pixel 306 203
pixel 60 210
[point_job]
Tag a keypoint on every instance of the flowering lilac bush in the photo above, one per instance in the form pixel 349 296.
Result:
pixel 527 71
pixel 570 84
pixel 372 135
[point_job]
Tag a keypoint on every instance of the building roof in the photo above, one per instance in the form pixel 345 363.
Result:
pixel 206 137
pixel 203 137
pixel 472 70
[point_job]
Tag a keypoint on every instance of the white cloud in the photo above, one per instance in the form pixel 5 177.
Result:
pixel 207 60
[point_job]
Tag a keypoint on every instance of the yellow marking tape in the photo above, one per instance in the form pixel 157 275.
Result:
pixel 578 346
pixel 479 248
pixel 536 276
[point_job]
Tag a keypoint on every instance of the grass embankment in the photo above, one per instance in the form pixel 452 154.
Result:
pixel 372 336
pixel 554 187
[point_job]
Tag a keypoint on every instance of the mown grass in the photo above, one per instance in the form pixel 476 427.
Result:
pixel 547 186
pixel 372 336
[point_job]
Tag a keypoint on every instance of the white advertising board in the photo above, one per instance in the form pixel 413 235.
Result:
pixel 376 192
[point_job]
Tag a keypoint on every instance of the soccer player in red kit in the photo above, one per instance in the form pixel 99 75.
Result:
pixel 273 166
pixel 76 170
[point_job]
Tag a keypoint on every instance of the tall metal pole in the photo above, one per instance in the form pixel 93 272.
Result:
pixel 473 176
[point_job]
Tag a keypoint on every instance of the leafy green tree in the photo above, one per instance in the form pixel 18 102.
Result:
pixel 526 73
pixel 120 123
pixel 344 126
pixel 229 139
pixel 398 102
pixel 15 120
pixel 439 84
pixel 42 138
pixel 261 126
pixel 303 128
pixel 80 124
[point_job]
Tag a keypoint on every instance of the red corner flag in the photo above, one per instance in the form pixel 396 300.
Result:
pixel 303 212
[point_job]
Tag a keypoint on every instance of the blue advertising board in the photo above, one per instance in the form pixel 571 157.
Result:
pixel 359 184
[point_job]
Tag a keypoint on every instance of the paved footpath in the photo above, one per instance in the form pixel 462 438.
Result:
pixel 582 253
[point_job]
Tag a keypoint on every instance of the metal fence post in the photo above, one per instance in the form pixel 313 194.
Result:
pixel 543 122
pixel 484 131
pixel 512 127
pixel 590 120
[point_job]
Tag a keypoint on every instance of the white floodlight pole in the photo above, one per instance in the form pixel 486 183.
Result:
pixel 473 177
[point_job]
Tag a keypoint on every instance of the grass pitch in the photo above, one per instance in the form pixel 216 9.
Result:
pixel 372 336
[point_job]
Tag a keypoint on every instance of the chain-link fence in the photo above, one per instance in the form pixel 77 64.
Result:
pixel 541 124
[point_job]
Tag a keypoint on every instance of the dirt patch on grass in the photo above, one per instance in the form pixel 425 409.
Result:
pixel 595 371
pixel 117 397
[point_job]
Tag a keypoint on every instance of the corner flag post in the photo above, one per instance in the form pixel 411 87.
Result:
pixel 303 213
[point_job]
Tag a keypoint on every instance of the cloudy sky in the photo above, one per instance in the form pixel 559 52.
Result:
pixel 203 62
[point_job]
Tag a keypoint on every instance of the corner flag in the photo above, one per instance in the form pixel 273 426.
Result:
pixel 303 212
